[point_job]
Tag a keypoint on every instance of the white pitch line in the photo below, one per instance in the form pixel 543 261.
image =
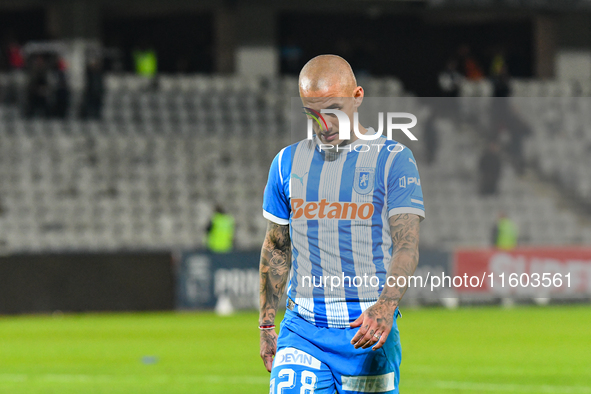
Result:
pixel 475 386
pixel 474 369
pixel 84 378
pixel 231 380
pixel 7 377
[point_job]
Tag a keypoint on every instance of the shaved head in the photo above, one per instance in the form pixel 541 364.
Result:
pixel 327 75
pixel 328 82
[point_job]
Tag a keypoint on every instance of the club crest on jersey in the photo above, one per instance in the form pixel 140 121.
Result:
pixel 364 179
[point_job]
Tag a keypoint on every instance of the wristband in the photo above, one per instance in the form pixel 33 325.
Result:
pixel 267 327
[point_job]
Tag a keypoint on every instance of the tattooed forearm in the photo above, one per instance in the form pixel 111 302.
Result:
pixel 404 229
pixel 274 270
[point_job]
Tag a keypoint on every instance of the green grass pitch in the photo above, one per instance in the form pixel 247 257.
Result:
pixel 469 350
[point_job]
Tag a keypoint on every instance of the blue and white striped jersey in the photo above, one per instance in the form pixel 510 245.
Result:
pixel 337 206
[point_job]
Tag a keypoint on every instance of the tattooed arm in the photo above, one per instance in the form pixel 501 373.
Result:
pixel 378 318
pixel 274 271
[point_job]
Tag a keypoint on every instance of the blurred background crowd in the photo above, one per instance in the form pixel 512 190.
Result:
pixel 430 53
pixel 150 126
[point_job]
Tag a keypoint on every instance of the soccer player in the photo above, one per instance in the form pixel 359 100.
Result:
pixel 337 212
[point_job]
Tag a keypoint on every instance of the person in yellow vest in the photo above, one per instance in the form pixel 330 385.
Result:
pixel 505 233
pixel 146 61
pixel 220 232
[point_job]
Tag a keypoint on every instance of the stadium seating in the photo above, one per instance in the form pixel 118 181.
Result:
pixel 459 217
pixel 558 114
pixel 148 175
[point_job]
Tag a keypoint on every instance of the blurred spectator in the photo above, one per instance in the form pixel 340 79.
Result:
pixel 431 139
pixel 94 89
pixel 469 65
pixel 501 110
pixel 505 118
pixel 16 60
pixel 146 61
pixel 11 59
pixel 37 89
pixel 518 131
pixel 498 65
pixel 500 82
pixel 450 79
pixel 504 233
pixel 489 168
pixel 220 231
pixel 61 89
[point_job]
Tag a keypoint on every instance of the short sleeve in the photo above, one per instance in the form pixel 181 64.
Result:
pixel 404 185
pixel 275 201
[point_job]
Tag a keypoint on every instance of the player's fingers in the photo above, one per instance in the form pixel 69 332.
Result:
pixel 266 352
pixel 268 362
pixel 368 334
pixel 362 330
pixel 374 338
pixel 382 340
pixel 380 331
pixel 357 321
pixel 366 341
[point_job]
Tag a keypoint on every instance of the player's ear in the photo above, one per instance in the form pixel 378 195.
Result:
pixel 358 95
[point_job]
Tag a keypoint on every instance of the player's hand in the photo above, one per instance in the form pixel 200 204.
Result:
pixel 376 324
pixel 268 347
